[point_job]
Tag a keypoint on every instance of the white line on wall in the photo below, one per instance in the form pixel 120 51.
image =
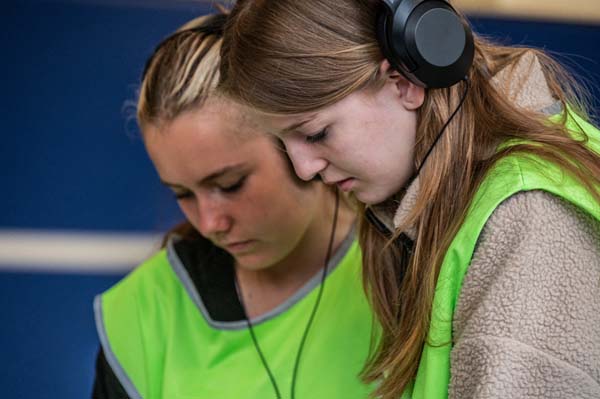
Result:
pixel 74 251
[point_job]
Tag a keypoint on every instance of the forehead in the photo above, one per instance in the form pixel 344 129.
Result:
pixel 217 119
pixel 212 134
pixel 279 125
pixel 361 102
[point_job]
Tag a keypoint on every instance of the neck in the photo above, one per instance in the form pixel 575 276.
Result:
pixel 265 289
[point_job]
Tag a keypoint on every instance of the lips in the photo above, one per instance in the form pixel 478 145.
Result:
pixel 238 246
pixel 343 184
pixel 346 184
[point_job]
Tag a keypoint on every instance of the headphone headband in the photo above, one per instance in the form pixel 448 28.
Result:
pixel 426 40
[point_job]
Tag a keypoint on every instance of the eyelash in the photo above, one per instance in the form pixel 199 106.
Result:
pixel 184 195
pixel 235 187
pixel 315 138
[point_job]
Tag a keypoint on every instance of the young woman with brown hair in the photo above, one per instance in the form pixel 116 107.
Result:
pixel 480 173
pixel 258 294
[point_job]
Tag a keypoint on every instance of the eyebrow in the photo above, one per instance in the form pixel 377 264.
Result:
pixel 297 125
pixel 213 176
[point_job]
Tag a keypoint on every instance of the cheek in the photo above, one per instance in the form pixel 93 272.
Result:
pixel 280 207
pixel 189 210
pixel 252 208
pixel 354 153
pixel 358 139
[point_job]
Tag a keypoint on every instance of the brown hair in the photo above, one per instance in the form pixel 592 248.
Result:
pixel 291 57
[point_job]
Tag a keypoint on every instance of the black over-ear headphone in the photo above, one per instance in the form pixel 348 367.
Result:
pixel 426 40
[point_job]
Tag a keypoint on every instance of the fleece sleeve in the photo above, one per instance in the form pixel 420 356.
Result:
pixel 527 323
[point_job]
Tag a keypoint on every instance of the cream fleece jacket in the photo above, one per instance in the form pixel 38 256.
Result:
pixel 527 322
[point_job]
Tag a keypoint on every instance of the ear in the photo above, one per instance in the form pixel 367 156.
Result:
pixel 411 95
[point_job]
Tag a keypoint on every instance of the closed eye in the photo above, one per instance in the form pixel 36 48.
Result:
pixel 235 186
pixel 315 138
pixel 183 195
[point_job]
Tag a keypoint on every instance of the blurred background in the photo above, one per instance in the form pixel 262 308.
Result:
pixel 82 204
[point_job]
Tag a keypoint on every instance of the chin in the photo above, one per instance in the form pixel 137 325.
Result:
pixel 252 262
pixel 370 198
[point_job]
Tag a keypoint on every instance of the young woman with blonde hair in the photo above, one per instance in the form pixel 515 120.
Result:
pixel 480 175
pixel 258 294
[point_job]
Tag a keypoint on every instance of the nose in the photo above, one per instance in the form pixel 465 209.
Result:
pixel 213 219
pixel 306 163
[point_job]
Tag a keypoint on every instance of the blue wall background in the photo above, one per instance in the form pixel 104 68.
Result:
pixel 72 161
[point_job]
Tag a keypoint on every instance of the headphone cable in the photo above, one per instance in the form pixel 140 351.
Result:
pixel 462 100
pixel 310 319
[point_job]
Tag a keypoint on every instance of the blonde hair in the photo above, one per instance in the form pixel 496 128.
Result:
pixel 292 57
pixel 183 71
pixel 180 76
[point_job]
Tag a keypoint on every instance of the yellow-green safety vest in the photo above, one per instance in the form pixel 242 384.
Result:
pixel 159 345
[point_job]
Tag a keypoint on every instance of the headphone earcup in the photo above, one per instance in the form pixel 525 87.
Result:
pixel 440 43
pixel 427 41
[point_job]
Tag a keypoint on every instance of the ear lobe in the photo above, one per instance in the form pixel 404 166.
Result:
pixel 415 96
